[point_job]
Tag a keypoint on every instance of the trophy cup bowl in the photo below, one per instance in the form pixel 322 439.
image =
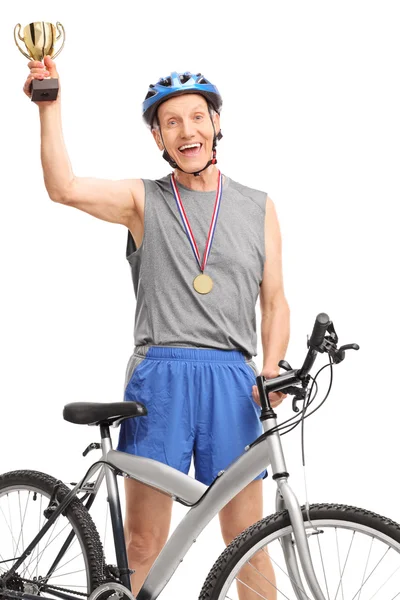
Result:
pixel 40 39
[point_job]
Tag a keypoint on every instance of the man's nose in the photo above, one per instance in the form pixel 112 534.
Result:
pixel 187 128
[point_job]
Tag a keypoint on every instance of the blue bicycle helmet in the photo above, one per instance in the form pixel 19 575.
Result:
pixel 174 85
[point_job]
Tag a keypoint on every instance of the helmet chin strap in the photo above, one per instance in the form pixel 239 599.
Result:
pixel 213 161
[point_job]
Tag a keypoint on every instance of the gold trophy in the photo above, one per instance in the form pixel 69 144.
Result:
pixel 39 39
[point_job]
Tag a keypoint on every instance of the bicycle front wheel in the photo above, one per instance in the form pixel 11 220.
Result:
pixel 355 553
pixel 67 561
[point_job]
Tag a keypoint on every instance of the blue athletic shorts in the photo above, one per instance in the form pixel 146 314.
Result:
pixel 199 401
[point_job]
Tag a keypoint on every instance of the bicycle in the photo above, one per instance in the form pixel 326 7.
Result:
pixel 295 536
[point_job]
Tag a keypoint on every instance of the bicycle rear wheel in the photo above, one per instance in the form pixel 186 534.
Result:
pixel 52 568
pixel 355 553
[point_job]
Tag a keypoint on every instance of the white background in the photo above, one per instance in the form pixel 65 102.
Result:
pixel 311 116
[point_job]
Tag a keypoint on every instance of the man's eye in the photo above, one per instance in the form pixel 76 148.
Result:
pixel 171 122
pixel 199 116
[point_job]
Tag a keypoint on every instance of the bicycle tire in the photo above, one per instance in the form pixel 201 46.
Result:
pixel 273 527
pixel 76 514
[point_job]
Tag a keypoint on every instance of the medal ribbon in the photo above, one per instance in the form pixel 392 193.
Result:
pixel 186 223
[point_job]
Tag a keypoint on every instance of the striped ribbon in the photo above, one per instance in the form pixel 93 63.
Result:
pixel 186 223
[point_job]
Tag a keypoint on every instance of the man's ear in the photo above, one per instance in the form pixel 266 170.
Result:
pixel 157 137
pixel 217 123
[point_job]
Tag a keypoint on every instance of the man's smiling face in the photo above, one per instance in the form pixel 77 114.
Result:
pixel 186 130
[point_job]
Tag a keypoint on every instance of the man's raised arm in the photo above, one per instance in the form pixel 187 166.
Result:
pixel 110 200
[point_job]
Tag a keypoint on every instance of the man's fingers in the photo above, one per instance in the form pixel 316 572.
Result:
pixel 29 79
pixel 40 70
pixel 276 403
pixel 35 63
pixel 276 398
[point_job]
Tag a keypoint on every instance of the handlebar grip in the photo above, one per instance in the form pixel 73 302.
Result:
pixel 320 326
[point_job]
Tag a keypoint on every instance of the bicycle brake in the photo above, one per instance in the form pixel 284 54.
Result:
pixel 299 394
pixel 339 354
pixel 92 446
pixel 53 502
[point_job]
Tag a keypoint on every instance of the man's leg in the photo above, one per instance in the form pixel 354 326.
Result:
pixel 242 511
pixel 146 527
pixel 163 383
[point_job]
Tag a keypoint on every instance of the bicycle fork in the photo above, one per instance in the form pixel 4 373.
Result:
pixel 286 499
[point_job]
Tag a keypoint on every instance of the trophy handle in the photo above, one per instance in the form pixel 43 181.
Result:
pixel 58 24
pixel 21 38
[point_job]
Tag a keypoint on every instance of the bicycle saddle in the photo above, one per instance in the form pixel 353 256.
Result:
pixel 102 413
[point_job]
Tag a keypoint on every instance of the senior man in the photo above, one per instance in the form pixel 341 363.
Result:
pixel 201 248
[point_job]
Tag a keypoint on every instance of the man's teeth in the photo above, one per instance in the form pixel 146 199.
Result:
pixel 190 146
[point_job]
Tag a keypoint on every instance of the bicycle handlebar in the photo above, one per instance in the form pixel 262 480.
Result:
pixel 294 376
pixel 320 326
pixel 286 382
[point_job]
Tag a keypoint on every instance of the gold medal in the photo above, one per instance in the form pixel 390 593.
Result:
pixel 203 283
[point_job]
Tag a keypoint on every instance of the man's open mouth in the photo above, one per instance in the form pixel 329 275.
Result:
pixel 190 149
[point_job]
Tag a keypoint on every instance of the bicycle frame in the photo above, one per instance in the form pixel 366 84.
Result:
pixel 205 503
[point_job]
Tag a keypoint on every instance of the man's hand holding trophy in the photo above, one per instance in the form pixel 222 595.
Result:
pixel 40 39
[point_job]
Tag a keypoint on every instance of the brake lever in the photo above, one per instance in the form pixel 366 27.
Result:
pixel 299 394
pixel 299 397
pixel 92 446
pixel 339 354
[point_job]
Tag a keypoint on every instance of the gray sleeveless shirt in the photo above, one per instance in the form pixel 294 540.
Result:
pixel 169 311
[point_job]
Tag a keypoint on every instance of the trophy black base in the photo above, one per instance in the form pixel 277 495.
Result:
pixel 44 89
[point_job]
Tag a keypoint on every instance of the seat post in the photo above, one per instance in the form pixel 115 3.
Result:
pixel 106 443
pixel 115 509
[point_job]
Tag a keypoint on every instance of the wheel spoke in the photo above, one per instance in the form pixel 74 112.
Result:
pixel 66 563
pixel 40 526
pixel 340 585
pixel 371 573
pixel 9 527
pixel 22 521
pixel 12 535
pixel 345 563
pixel 253 590
pixel 384 583
pixel 50 541
pixel 15 544
pixel 365 570
pixel 293 581
pixel 266 578
pixel 65 574
pixel 323 566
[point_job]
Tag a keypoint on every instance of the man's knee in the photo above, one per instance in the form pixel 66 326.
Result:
pixel 147 522
pixel 143 546
pixel 229 532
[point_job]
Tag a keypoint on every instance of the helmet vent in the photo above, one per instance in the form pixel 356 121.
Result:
pixel 184 78
pixel 167 82
pixel 150 94
pixel 202 80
